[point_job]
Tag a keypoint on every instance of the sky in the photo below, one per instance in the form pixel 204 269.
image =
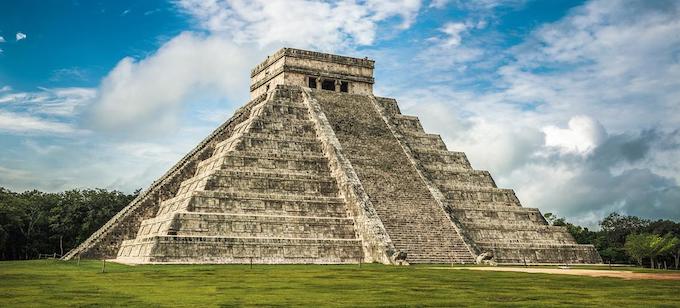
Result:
pixel 573 104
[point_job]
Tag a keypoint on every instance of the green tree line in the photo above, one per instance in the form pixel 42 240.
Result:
pixel 630 239
pixel 34 222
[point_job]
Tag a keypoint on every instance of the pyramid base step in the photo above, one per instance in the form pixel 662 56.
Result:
pixel 225 250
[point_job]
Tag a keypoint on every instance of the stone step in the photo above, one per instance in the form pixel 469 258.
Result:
pixel 475 203
pixel 483 194
pixel 251 203
pixel 514 226
pixel 259 141
pixel 424 140
pixel 193 249
pixel 241 160
pixel 492 207
pixel 502 219
pixel 255 141
pixel 494 216
pixel 450 179
pixel 544 253
pixel 243 225
pixel 510 243
pixel 407 123
pixel 288 110
pixel 454 167
pixel 432 159
pixel 271 204
pixel 272 182
pixel 284 127
pixel 526 235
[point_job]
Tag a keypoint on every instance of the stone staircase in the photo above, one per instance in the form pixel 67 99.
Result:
pixel 266 195
pixel 491 218
pixel 411 216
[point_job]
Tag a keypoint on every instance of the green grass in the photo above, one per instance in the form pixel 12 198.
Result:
pixel 55 283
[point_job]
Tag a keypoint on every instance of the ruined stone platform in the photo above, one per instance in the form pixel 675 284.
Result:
pixel 315 169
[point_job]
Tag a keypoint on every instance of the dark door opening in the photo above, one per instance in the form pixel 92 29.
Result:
pixel 328 85
pixel 344 86
pixel 312 82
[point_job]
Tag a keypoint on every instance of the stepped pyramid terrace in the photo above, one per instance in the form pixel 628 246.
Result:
pixel 316 169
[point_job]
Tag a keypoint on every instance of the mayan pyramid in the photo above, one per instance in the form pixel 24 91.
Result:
pixel 316 169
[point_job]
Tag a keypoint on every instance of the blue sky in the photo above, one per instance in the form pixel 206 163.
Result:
pixel 574 104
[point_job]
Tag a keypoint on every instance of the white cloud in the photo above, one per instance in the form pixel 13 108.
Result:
pixel 5 89
pixel 301 23
pixel 453 30
pixel 20 36
pixel 11 122
pixel 2 39
pixel 615 60
pixel 63 102
pixel 582 136
pixel 149 93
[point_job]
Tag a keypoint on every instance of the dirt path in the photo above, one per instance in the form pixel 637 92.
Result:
pixel 576 271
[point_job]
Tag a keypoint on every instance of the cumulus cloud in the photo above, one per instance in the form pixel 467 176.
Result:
pixel 2 39
pixel 149 93
pixel 301 23
pixel 581 137
pixel 20 36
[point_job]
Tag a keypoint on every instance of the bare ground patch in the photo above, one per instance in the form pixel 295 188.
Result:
pixel 628 275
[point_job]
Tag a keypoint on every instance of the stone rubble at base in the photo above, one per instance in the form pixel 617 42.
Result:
pixel 315 169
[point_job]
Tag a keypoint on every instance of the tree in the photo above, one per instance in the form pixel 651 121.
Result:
pixel 663 245
pixel 675 251
pixel 35 222
pixel 612 237
pixel 638 246
pixel 646 245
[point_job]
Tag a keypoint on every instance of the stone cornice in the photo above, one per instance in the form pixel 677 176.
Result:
pixel 311 55
pixel 310 72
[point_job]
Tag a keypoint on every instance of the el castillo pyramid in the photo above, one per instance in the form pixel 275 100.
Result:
pixel 316 169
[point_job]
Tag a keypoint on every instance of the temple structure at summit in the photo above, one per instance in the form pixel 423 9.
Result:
pixel 316 169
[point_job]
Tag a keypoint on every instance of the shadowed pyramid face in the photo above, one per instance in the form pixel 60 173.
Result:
pixel 315 169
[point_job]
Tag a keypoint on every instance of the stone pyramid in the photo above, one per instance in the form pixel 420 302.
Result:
pixel 315 169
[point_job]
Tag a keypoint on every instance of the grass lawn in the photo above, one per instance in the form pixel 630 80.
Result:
pixel 56 283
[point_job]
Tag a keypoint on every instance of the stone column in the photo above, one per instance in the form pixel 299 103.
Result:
pixel 337 85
